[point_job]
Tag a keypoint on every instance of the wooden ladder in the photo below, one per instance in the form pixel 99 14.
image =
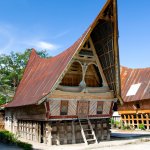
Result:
pixel 88 134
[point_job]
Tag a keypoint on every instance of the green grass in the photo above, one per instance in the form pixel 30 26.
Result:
pixel 9 138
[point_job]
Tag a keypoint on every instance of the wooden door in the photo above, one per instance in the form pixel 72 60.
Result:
pixel 83 109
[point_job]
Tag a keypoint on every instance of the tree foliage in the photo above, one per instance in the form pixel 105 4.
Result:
pixel 11 70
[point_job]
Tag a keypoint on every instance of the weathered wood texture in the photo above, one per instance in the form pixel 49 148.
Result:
pixel 34 112
pixel 64 132
pixel 143 104
pixel 73 106
pixel 104 94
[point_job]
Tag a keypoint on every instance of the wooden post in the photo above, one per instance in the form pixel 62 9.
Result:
pixel 27 131
pixel 129 119
pixel 22 126
pixel 32 137
pixel 36 132
pixel 102 131
pixel 96 131
pixel 108 131
pixel 137 118
pixel 73 133
pixel 65 132
pixel 44 133
pixel 132 120
pixel 58 138
pixel 49 136
pixel 39 131
pixel 142 119
pixel 18 127
pixel 125 122
pixel 147 122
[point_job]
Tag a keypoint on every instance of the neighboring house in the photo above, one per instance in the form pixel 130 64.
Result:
pixel 69 98
pixel 136 97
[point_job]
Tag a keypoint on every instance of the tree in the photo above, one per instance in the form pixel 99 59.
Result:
pixel 11 70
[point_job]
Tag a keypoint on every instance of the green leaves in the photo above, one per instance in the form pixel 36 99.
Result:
pixel 11 71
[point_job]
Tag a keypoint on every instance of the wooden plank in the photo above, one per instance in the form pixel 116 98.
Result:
pixel 76 116
pixel 147 122
pixel 58 136
pixel 106 107
pixel 133 111
pixel 55 108
pixel 98 63
pixel 92 108
pixel 72 107
pixel 83 108
pixel 73 133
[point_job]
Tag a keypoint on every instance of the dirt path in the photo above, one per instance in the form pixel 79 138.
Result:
pixel 137 146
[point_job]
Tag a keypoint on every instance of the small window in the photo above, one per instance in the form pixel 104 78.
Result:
pixel 99 107
pixel 64 108
pixel 136 105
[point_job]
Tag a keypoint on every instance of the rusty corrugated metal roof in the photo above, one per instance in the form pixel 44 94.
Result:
pixel 135 84
pixel 40 75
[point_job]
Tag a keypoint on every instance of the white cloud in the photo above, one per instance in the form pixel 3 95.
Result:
pixel 12 38
pixel 45 45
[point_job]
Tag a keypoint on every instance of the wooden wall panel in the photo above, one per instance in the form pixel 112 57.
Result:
pixel 72 107
pixel 93 108
pixel 130 106
pixel 106 107
pixel 55 107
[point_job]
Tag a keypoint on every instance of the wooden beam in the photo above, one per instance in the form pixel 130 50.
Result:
pixel 73 133
pixel 98 63
pixel 65 132
pixel 147 122
pixel 58 136
pixel 133 111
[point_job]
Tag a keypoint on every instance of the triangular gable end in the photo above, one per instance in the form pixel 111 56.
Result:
pixel 103 34
pixel 85 70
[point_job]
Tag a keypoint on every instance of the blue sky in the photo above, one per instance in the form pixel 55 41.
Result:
pixel 55 25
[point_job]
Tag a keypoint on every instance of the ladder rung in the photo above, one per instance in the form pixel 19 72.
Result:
pixel 90 134
pixel 87 129
pixel 90 139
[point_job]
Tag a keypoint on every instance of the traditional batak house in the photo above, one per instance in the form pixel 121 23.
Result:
pixel 69 98
pixel 135 84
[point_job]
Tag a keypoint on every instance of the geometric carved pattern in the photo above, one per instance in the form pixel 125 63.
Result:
pixel 72 107
pixel 55 107
pixel 93 108
pixel 106 107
